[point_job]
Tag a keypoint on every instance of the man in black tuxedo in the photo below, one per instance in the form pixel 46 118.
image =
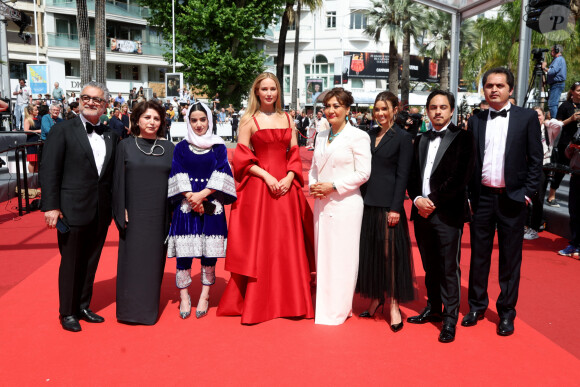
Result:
pixel 508 166
pixel 442 166
pixel 76 176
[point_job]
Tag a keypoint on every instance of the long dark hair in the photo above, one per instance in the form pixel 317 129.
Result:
pixel 141 108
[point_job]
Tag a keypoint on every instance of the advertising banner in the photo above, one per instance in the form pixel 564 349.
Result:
pixel 126 46
pixel 37 75
pixel 375 65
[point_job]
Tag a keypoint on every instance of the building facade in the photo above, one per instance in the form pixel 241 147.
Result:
pixel 334 50
pixel 134 50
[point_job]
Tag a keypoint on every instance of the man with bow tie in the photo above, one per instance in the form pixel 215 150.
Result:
pixel 508 165
pixel 76 176
pixel 442 166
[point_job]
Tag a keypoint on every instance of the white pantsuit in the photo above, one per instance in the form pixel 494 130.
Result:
pixel 346 162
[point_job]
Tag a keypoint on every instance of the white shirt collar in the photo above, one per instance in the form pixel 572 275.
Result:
pixel 505 107
pixel 442 129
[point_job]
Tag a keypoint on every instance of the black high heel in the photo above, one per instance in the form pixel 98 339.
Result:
pixel 367 314
pixel 399 326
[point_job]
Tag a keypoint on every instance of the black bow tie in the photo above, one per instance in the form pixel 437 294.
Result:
pixel 433 134
pixel 502 113
pixel 98 129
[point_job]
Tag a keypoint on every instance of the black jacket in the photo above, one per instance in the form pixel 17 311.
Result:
pixel 451 172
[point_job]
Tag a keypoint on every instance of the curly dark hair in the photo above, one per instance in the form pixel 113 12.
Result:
pixel 141 108
pixel 344 97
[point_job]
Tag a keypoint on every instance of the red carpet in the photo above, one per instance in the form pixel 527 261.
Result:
pixel 220 351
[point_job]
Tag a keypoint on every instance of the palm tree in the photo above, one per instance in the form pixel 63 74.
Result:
pixel 411 29
pixel 288 17
pixel 286 20
pixel 386 16
pixel 438 25
pixel 84 40
pixel 100 41
pixel 312 5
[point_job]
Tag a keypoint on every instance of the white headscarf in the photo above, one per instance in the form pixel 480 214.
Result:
pixel 208 139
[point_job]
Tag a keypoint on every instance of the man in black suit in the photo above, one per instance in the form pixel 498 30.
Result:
pixel 76 176
pixel 508 166
pixel 442 166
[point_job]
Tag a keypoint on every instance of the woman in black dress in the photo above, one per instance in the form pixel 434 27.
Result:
pixel 385 265
pixel 141 213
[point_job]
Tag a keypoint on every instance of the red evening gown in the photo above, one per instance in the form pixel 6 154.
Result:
pixel 270 249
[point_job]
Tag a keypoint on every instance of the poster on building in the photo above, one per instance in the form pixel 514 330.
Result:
pixel 313 90
pixel 375 65
pixel 366 65
pixel 173 82
pixel 126 46
pixel 37 75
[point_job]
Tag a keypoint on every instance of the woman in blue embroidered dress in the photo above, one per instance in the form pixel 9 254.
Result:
pixel 200 184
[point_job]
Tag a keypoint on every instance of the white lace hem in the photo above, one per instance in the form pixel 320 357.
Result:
pixel 209 246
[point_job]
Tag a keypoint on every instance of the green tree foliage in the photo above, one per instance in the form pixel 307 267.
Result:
pixel 215 41
pixel 498 45
pixel 437 43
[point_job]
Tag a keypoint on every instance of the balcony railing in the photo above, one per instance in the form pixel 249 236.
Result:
pixel 120 9
pixel 72 41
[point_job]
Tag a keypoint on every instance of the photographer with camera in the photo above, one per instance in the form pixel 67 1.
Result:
pixel 573 153
pixel 556 78
pixel 569 114
pixel 410 121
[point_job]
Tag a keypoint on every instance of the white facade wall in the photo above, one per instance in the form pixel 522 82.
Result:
pixel 317 38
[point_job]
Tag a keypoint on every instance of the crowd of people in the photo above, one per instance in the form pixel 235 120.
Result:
pixel 168 202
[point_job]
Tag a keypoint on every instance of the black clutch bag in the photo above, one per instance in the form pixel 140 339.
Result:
pixel 208 207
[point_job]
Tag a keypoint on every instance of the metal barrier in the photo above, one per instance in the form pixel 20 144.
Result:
pixel 22 176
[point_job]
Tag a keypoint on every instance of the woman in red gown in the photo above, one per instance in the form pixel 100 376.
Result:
pixel 270 244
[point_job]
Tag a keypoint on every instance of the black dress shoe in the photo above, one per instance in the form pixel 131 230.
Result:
pixel 505 327
pixel 472 318
pixel 70 323
pixel 447 334
pixel 424 317
pixel 89 316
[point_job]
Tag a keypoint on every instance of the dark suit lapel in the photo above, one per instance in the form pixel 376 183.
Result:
pixel 481 135
pixel 109 145
pixel 80 133
pixel 450 135
pixel 423 149
pixel 386 138
pixel 512 126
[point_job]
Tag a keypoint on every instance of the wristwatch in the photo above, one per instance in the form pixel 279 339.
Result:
pixel 333 187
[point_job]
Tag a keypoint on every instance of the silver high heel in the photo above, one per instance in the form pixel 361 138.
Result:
pixel 185 315
pixel 202 313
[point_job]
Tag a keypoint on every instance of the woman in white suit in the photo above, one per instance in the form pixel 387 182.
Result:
pixel 340 165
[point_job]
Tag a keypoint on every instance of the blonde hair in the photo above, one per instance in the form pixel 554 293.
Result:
pixel 254 101
pixel 28 115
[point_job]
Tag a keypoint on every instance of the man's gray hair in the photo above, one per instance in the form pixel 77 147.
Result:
pixel 98 85
pixel 559 48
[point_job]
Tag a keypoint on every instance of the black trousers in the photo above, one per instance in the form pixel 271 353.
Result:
pixel 574 209
pixel 536 212
pixel 440 248
pixel 508 216
pixel 80 251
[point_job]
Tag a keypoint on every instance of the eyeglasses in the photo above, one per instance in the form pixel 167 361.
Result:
pixel 86 98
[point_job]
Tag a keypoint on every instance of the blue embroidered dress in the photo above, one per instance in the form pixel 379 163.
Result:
pixel 194 235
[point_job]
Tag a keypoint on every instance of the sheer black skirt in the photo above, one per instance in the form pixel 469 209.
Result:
pixel 385 258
